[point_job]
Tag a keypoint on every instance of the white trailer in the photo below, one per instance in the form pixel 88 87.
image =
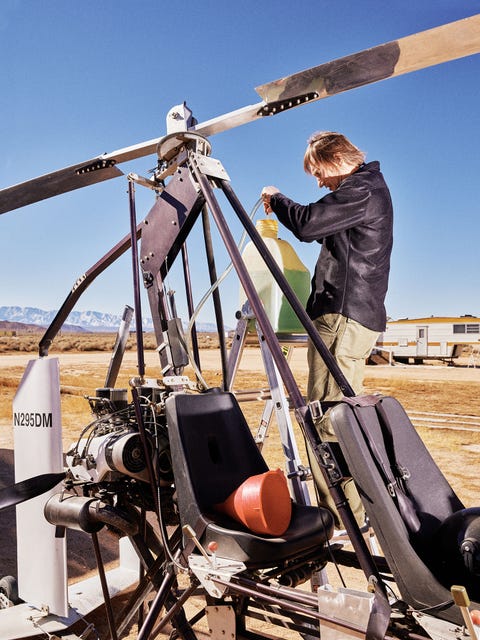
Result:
pixel 428 338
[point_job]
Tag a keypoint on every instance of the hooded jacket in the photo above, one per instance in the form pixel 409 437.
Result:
pixel 354 224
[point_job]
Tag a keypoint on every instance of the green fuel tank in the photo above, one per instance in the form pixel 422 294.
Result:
pixel 277 307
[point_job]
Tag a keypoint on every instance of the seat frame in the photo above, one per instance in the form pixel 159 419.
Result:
pixel 213 452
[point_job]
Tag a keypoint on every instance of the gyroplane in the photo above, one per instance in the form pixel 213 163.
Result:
pixel 160 463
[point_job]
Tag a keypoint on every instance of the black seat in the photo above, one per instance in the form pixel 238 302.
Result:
pixel 213 452
pixel 419 521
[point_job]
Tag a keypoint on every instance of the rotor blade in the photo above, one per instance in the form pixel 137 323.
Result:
pixel 52 184
pixel 103 167
pixel 28 489
pixel 425 49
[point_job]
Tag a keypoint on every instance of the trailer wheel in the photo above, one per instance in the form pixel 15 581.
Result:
pixel 9 588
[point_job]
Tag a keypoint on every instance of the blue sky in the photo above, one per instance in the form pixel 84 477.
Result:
pixel 79 79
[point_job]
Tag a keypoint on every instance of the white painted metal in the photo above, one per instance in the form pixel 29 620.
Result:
pixel 26 620
pixel 441 338
pixel 42 563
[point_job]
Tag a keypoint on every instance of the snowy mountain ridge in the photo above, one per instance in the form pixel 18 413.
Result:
pixel 87 320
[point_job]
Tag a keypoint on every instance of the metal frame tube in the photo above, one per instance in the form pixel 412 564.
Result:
pixel 190 303
pixel 136 281
pixel 79 287
pixel 217 305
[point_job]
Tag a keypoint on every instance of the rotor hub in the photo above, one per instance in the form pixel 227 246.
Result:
pixel 172 144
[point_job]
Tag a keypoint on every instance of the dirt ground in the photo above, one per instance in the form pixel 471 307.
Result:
pixel 431 389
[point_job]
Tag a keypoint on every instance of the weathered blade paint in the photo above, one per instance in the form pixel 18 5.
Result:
pixel 425 49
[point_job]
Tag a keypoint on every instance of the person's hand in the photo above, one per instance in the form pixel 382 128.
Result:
pixel 267 193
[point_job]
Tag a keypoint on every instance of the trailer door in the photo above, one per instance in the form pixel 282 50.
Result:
pixel 422 341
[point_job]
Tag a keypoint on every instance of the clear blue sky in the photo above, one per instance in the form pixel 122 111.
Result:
pixel 82 78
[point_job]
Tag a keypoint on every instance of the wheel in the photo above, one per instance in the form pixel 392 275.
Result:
pixel 9 588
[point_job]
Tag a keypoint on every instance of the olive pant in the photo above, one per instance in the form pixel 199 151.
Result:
pixel 350 343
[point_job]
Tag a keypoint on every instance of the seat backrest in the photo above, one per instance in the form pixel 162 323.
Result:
pixel 213 450
pixel 433 498
pixel 410 554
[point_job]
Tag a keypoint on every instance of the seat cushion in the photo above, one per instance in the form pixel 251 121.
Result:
pixel 310 528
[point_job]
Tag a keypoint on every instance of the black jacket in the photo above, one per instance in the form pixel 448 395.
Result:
pixel 354 223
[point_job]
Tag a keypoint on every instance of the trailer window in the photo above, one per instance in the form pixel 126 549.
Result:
pixel 466 328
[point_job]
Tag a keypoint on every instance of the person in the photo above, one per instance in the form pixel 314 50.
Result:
pixel 354 225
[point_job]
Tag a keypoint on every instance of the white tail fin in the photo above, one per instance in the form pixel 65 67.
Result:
pixel 42 563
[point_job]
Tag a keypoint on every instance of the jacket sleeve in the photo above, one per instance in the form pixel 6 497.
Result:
pixel 337 211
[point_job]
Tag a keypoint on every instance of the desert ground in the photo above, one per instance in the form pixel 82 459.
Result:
pixel 443 402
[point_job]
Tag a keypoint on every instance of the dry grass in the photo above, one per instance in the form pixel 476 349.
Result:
pixel 27 342
pixel 448 396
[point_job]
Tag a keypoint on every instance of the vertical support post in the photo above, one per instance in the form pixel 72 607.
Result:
pixel 119 348
pixel 216 295
pixel 190 304
pixel 279 404
pixel 136 281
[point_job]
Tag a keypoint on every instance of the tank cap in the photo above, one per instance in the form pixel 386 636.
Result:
pixel 267 227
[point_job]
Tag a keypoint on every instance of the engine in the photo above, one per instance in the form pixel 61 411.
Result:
pixel 110 450
pixel 120 451
pixel 108 477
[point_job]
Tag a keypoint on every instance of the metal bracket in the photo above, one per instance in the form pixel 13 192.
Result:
pixel 272 108
pixel 165 348
pixel 95 166
pixel 206 570
pixel 316 410
pixel 150 183
pixel 438 629
pixel 172 151
pixel 330 463
pixel 210 167
pixel 178 383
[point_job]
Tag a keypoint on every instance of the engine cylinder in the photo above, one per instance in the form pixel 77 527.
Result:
pixel 124 453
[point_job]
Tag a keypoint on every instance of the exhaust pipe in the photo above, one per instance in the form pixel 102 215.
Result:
pixel 87 514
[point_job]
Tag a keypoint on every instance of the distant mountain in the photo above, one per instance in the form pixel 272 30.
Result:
pixel 86 320
pixel 93 321
pixel 22 327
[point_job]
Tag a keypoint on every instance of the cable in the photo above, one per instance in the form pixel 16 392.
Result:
pixel 215 285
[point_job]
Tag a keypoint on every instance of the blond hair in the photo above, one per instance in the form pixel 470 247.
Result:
pixel 329 148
